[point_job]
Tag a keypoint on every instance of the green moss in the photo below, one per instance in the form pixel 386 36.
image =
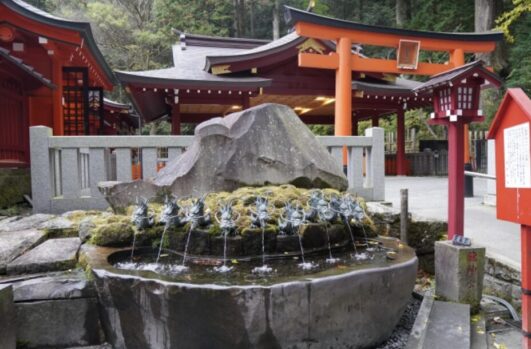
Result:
pixel 14 184
pixel 112 234
pixel 23 344
pixel 62 233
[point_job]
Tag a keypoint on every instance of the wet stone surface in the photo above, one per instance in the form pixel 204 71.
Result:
pixel 60 285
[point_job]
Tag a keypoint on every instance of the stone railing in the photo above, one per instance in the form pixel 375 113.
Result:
pixel 66 170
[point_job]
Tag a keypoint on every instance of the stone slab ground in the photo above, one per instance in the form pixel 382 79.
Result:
pixel 51 255
pixel 452 321
pixel 15 243
pixel 18 223
pixel 441 325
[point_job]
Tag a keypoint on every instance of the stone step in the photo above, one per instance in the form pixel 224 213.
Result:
pixel 51 255
pixel 15 243
pixel 56 310
pixel 441 325
pixel 478 332
pixel 7 318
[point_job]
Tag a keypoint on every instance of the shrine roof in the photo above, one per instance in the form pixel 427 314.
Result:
pixel 457 74
pixel 180 75
pixel 83 28
pixel 19 63
pixel 191 39
pixel 293 15
pixel 188 71
pixel 270 48
pixel 399 86
pixel 117 105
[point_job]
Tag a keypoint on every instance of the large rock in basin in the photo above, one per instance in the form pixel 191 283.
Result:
pixel 267 144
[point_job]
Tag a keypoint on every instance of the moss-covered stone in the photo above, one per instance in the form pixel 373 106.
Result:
pixel 112 231
pixel 14 184
pixel 117 230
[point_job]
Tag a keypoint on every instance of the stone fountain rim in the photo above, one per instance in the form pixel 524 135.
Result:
pixel 103 268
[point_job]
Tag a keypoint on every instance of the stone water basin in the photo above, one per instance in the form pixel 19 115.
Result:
pixel 350 304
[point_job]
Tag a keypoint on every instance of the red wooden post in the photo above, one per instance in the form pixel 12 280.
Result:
pixel 375 121
pixel 400 144
pixel 456 180
pixel 245 102
pixel 354 126
pixel 57 99
pixel 526 285
pixel 176 119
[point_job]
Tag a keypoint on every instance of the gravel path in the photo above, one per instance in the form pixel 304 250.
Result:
pixel 400 335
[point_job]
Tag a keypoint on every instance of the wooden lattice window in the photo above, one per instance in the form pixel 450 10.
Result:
pixel 464 97
pixel 75 101
pixel 445 99
pixel 96 111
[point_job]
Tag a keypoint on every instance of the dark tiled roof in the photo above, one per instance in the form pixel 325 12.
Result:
pixel 19 63
pixel 188 72
pixel 456 74
pixel 293 15
pixel 83 28
pixel 399 86
pixel 218 41
pixel 115 104
pixel 272 47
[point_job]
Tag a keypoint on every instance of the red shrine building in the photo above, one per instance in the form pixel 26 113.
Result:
pixel 213 76
pixel 51 73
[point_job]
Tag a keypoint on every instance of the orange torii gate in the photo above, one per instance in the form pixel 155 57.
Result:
pixel 408 43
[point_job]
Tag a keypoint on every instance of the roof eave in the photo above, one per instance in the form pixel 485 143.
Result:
pixel 293 15
pixel 82 27
pixel 131 78
pixel 211 61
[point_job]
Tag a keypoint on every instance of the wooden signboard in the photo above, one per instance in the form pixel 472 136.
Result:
pixel 511 130
pixel 408 54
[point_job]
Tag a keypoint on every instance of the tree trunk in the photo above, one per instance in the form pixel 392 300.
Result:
pixel 402 11
pixel 484 21
pixel 235 19
pixel 251 18
pixel 241 18
pixel 276 20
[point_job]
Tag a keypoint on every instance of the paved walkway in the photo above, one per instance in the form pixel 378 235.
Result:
pixel 428 197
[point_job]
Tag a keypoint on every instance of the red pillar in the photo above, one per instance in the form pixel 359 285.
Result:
pixel 456 179
pixel 57 99
pixel 343 104
pixel 375 121
pixel 354 126
pixel 176 119
pixel 526 285
pixel 401 165
pixel 245 102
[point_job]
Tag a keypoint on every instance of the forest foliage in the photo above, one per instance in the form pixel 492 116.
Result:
pixel 137 34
